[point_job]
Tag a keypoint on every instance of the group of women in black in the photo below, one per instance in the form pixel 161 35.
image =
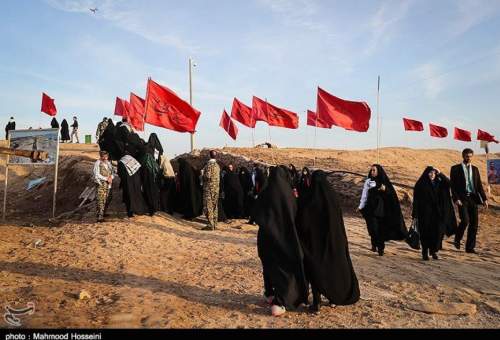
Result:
pixel 302 241
pixel 433 214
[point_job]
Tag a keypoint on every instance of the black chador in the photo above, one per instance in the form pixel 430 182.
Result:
pixel 150 175
pixel 278 243
pixel 189 195
pixel 65 131
pixel 130 183
pixel 233 195
pixel 321 230
pixel 304 182
pixel 383 211
pixel 433 209
pixel 246 185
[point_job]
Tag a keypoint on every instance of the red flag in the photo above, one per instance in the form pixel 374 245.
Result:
pixel 122 107
pixel 227 124
pixel 136 112
pixel 274 116
pixel 413 125
pixel 485 136
pixel 165 109
pixel 438 131
pixel 48 105
pixel 463 135
pixel 347 114
pixel 242 113
pixel 314 120
pixel 259 109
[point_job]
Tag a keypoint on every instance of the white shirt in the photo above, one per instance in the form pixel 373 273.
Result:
pixel 254 173
pixel 469 183
pixel 369 184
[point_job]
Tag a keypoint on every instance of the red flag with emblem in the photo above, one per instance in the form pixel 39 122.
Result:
pixel 485 136
pixel 48 105
pixel 438 131
pixel 273 115
pixel 227 124
pixel 463 135
pixel 136 112
pixel 314 120
pixel 165 109
pixel 242 113
pixel 344 113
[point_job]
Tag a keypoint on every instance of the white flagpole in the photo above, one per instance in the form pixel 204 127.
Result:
pixel 191 96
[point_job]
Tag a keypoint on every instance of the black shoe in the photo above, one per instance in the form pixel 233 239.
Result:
pixel 374 249
pixel 471 251
pixel 425 257
pixel 381 252
pixel 314 308
pixel 435 256
pixel 457 244
pixel 208 228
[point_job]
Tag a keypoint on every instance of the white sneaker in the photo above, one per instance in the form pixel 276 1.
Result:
pixel 277 310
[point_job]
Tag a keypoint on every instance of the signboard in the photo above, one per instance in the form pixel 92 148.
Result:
pixel 34 140
pixel 493 171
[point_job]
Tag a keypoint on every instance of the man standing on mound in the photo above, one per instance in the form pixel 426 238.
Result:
pixel 211 181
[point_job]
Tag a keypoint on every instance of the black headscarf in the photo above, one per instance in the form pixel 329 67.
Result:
pixel 64 130
pixel 190 195
pixel 392 226
pixel 54 123
pixel 433 208
pixel 294 174
pixel 277 240
pixel 321 229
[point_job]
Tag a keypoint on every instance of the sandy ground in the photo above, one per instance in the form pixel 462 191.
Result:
pixel 161 271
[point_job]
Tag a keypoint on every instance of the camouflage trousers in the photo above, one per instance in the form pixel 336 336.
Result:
pixel 103 198
pixel 210 205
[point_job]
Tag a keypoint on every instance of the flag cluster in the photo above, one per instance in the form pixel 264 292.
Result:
pixel 330 110
pixel 441 132
pixel 162 107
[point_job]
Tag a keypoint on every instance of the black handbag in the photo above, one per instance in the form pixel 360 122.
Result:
pixel 413 238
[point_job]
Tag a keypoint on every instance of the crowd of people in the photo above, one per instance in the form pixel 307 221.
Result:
pixel 301 241
pixel 54 124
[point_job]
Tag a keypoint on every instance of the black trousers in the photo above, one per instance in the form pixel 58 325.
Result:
pixel 468 219
pixel 373 225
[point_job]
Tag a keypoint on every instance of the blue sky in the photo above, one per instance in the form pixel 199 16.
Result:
pixel 439 62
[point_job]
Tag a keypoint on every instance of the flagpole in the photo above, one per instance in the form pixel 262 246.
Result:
pixel 378 120
pixel 145 109
pixel 191 96
pixel 315 131
pixel 269 129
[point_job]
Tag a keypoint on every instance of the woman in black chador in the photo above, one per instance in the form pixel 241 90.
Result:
pixel 246 184
pixel 233 194
pixel 278 244
pixel 189 201
pixel 321 230
pixel 64 131
pixel 433 210
pixel 381 209
pixel 150 175
pixel 54 123
pixel 130 183
pixel 305 181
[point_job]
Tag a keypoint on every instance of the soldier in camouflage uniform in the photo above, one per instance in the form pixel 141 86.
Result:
pixel 211 180
pixel 103 177
pixel 100 129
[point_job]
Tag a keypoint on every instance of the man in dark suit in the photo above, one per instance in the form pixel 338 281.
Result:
pixel 467 192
